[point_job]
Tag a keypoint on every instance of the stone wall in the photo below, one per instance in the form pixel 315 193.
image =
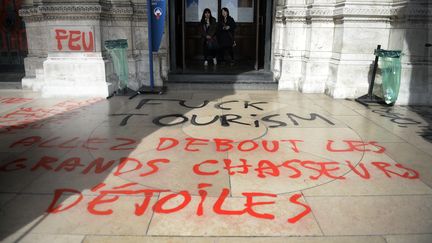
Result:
pixel 319 46
pixel 326 46
pixel 68 72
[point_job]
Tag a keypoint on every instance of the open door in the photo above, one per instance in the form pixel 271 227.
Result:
pixel 13 41
pixel 250 35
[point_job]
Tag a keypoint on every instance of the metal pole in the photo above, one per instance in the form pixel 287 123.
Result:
pixel 150 45
pixel 372 84
pixel 183 35
pixel 257 34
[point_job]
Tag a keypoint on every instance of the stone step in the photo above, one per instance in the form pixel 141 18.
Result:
pixel 252 77
pixel 221 86
pixel 253 80
pixel 10 85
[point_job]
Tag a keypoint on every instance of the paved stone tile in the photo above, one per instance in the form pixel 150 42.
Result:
pixel 317 96
pixel 426 238
pixel 412 156
pixel 252 107
pixel 83 173
pixel 369 179
pixel 234 131
pixel 45 139
pixel 215 95
pixel 396 119
pixel 6 109
pixel 415 138
pixel 147 239
pixel 187 223
pixel 43 238
pixel 177 173
pixel 367 130
pixel 335 108
pixel 20 215
pixel 371 215
pixel 352 239
pixel 343 239
pixel 282 172
pixel 6 197
pixel 352 104
pixel 293 99
pixel 50 181
pixel 311 150
pixel 300 117
pixel 314 134
pixel 278 96
pixel 20 93
pixel 17 179
pixel 182 94
pixel 238 95
pixel 27 213
pixel 114 141
pixel 164 112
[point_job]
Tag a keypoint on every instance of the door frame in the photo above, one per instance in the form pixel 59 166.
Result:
pixel 173 35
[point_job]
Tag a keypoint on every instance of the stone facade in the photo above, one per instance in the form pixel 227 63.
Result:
pixel 318 46
pixel 63 72
pixel 326 46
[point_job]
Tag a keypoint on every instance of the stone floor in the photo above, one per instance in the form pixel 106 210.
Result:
pixel 213 166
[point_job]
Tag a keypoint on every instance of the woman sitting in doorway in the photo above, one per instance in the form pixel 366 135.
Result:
pixel 226 28
pixel 208 34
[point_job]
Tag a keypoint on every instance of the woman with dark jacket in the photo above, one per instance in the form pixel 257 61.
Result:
pixel 208 34
pixel 226 28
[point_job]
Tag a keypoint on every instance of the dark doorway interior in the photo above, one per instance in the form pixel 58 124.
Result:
pixel 252 36
pixel 13 42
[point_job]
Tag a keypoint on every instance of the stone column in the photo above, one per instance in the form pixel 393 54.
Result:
pixel 290 43
pixel 318 45
pixel 37 39
pixel 303 44
pixel 68 36
pixel 359 28
pixel 411 30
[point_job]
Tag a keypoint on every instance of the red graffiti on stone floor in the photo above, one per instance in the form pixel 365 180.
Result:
pixel 229 145
pixel 226 145
pixel 35 118
pixel 91 144
pixel 292 168
pixel 165 201
pixel 14 100
pixel 163 205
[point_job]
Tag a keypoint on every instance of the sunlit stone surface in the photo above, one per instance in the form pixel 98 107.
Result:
pixel 213 166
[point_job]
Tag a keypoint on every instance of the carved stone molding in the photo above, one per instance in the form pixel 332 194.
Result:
pixel 61 9
pixel 117 13
pixel 321 13
pixel 353 13
pixel 140 12
pixel 382 12
pixel 61 12
pixel 86 12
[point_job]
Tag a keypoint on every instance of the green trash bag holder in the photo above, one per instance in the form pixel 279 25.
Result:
pixel 117 49
pixel 390 94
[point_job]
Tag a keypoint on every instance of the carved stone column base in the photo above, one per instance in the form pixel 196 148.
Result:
pixel 74 75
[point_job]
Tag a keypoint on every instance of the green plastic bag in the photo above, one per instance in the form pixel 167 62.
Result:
pixel 118 51
pixel 391 74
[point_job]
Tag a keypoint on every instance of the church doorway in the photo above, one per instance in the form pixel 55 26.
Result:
pixel 252 36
